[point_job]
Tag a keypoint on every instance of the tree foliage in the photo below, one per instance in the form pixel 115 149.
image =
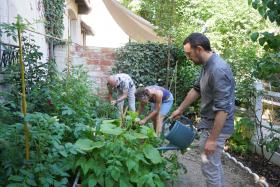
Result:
pixel 228 25
pixel 268 66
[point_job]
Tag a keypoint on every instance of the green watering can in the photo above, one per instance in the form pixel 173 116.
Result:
pixel 179 133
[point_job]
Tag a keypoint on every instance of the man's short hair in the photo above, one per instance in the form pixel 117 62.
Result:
pixel 198 39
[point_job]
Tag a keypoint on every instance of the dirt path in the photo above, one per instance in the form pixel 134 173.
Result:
pixel 234 175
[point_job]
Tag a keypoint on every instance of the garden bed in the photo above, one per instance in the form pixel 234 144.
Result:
pixel 260 166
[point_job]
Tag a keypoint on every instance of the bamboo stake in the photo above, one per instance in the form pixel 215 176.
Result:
pixel 23 95
pixel 68 50
pixel 175 84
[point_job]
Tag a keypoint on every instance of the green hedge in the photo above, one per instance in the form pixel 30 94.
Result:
pixel 147 65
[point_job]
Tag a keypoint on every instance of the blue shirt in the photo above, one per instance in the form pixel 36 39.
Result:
pixel 216 87
pixel 165 93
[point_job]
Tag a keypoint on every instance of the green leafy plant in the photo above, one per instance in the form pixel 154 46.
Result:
pixel 268 66
pixel 147 65
pixel 122 155
pixel 240 141
pixel 48 164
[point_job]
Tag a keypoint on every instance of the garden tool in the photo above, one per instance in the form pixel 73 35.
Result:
pixel 180 133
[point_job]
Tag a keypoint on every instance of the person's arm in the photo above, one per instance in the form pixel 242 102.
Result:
pixel 121 98
pixel 156 109
pixel 210 145
pixel 124 86
pixel 192 96
pixel 141 108
pixel 110 94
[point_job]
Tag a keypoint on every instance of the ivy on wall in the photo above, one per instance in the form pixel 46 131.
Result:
pixel 54 10
pixel 146 63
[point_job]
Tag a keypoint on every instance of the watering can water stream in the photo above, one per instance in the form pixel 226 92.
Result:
pixel 179 133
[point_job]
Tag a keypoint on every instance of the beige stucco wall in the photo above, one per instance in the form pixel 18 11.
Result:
pixel 32 10
pixel 72 27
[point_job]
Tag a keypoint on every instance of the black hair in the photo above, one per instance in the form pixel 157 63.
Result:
pixel 198 39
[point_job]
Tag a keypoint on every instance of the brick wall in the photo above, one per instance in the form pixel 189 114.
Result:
pixel 97 61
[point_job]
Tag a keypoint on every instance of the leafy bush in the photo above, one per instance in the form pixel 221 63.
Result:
pixel 121 153
pixel 48 163
pixel 240 141
pixel 147 63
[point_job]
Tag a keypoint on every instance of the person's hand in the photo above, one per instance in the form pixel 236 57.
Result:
pixel 142 122
pixel 113 102
pixel 210 147
pixel 176 114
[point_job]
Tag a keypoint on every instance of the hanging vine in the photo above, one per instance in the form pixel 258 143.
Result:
pixel 54 10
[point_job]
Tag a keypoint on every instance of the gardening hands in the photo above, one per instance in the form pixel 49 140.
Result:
pixel 113 102
pixel 210 146
pixel 142 122
pixel 176 114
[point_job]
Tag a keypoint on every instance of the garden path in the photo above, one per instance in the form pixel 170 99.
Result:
pixel 234 175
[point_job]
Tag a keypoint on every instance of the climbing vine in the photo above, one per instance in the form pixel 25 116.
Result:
pixel 54 10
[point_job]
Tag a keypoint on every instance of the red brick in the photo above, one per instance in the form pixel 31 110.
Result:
pixel 106 62
pixel 108 56
pixel 96 62
pixel 107 50
pixel 94 56
pixel 106 69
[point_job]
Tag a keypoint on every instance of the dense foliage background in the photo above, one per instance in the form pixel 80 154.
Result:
pixel 72 130
pixel 228 24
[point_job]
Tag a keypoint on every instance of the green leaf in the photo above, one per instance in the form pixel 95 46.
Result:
pixel 115 173
pixel 111 129
pixel 14 185
pixel 148 131
pixel 98 167
pixel 109 182
pixel 124 182
pixel 92 181
pixel 129 137
pixel 132 164
pixel 82 162
pixel 88 145
pixel 152 154
pixel 254 36
pixel 262 41
pixel 140 136
pixel 16 178
pixel 31 182
pixel 262 11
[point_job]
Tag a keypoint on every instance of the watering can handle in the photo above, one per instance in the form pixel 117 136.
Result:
pixel 187 119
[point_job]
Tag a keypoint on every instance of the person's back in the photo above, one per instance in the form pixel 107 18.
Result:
pixel 124 81
pixel 166 93
pixel 124 85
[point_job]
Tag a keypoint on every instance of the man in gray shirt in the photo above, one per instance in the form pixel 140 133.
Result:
pixel 215 87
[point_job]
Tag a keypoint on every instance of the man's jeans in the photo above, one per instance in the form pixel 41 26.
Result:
pixel 213 170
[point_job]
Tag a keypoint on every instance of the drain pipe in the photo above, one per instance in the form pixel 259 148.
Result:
pixel 258 180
